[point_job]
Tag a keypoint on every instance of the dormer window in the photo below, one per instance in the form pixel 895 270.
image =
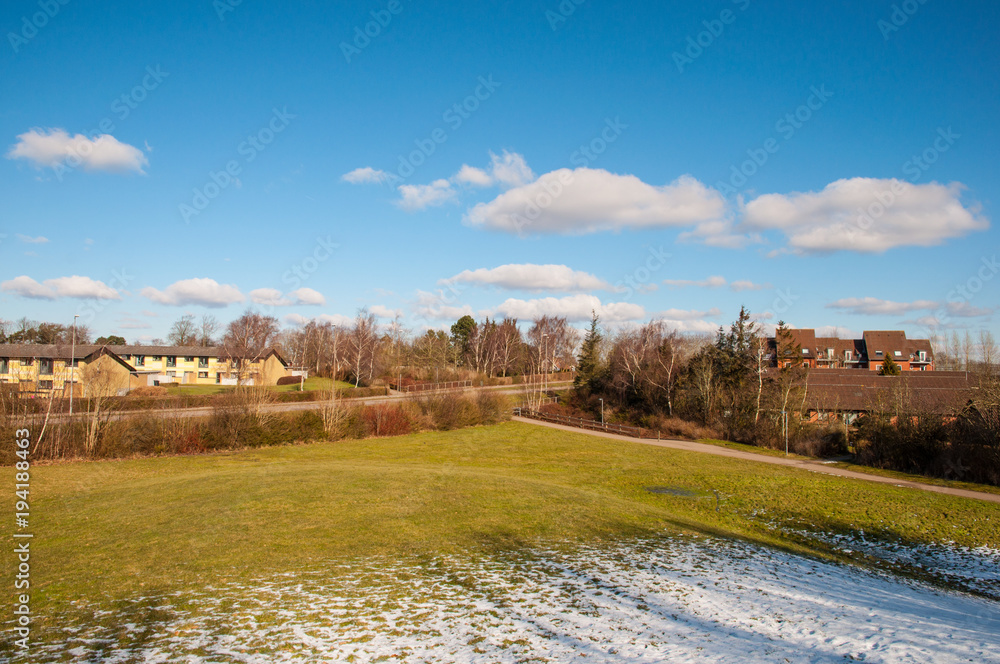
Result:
pixel 848 355
pixel 805 351
pixel 923 356
pixel 878 353
pixel 897 353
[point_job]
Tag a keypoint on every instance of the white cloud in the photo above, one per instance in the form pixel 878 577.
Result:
pixel 32 240
pixel 684 314
pixel 510 169
pixel 338 320
pixel 366 175
pixel 966 310
pixel 531 277
pixel 55 147
pixel 474 176
pixel 420 196
pixel 710 282
pixel 308 297
pixel 75 287
pixel 589 200
pixel 835 331
pixel 439 306
pixel 871 306
pixel 205 292
pixel 271 297
pixel 745 285
pixel 575 308
pixel 866 215
pixel 384 312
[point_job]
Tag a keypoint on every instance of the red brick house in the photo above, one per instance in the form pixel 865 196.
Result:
pixel 869 352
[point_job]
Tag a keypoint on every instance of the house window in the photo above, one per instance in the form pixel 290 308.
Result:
pixel 203 362
pixel 202 374
pixel 829 353
pixel 4 365
pixel 878 353
pixel 27 362
pixel 878 367
pixel 45 384
pixel 189 358
pixel 848 356
pixel 140 360
pixel 171 374
pixel 45 366
pixel 923 356
pixel 805 351
pixel 171 360
pixel 897 353
pixel 156 358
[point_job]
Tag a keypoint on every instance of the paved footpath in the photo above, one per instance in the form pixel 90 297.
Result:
pixel 812 466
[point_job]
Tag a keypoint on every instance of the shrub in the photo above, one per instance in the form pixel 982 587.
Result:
pixel 149 391
pixel 493 407
pixel 289 380
pixel 386 420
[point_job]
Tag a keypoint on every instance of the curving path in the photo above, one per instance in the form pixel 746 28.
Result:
pixel 811 466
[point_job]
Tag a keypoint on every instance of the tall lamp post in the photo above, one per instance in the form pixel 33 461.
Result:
pixel 72 366
pixel 602 412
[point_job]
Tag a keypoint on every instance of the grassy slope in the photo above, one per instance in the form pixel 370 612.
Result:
pixel 117 529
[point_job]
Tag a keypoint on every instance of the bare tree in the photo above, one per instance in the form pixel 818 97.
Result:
pixel 987 350
pixel 207 331
pixel 247 339
pixel 183 332
pixel 362 346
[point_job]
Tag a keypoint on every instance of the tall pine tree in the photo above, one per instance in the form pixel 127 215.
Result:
pixel 588 362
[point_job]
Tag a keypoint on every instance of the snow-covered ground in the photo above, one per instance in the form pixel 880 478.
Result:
pixel 678 600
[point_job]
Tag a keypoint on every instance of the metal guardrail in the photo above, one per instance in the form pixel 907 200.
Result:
pixel 590 425
pixel 434 387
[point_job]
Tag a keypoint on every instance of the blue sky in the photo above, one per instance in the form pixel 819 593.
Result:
pixel 830 165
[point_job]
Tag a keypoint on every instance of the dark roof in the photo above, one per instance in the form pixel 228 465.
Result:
pixel 106 350
pixel 858 390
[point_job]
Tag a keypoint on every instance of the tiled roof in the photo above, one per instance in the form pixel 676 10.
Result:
pixel 851 390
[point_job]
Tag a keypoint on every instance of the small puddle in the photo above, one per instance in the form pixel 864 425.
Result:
pixel 672 491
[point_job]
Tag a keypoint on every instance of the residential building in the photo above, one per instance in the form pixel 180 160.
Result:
pixel 44 368
pixel 869 352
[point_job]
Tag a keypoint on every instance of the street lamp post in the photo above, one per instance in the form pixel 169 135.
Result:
pixel 602 412
pixel 72 366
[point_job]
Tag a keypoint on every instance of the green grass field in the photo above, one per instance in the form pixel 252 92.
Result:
pixel 111 530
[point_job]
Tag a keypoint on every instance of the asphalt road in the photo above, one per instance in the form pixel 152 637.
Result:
pixel 811 466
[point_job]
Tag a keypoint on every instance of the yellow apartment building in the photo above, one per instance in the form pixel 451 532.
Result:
pixel 47 368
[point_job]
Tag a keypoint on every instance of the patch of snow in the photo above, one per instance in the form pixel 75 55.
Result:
pixel 677 600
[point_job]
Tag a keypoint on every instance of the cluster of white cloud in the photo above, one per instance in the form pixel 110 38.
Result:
pixel 531 277
pixel 717 282
pixel 27 239
pixel 868 215
pixel 275 298
pixel 507 169
pixel 575 308
pixel 587 200
pixel 54 148
pixel 73 287
pixel 337 320
pixel 871 306
pixel 210 293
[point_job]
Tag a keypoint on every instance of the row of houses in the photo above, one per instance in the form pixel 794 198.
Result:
pixel 57 368
pixel 867 353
